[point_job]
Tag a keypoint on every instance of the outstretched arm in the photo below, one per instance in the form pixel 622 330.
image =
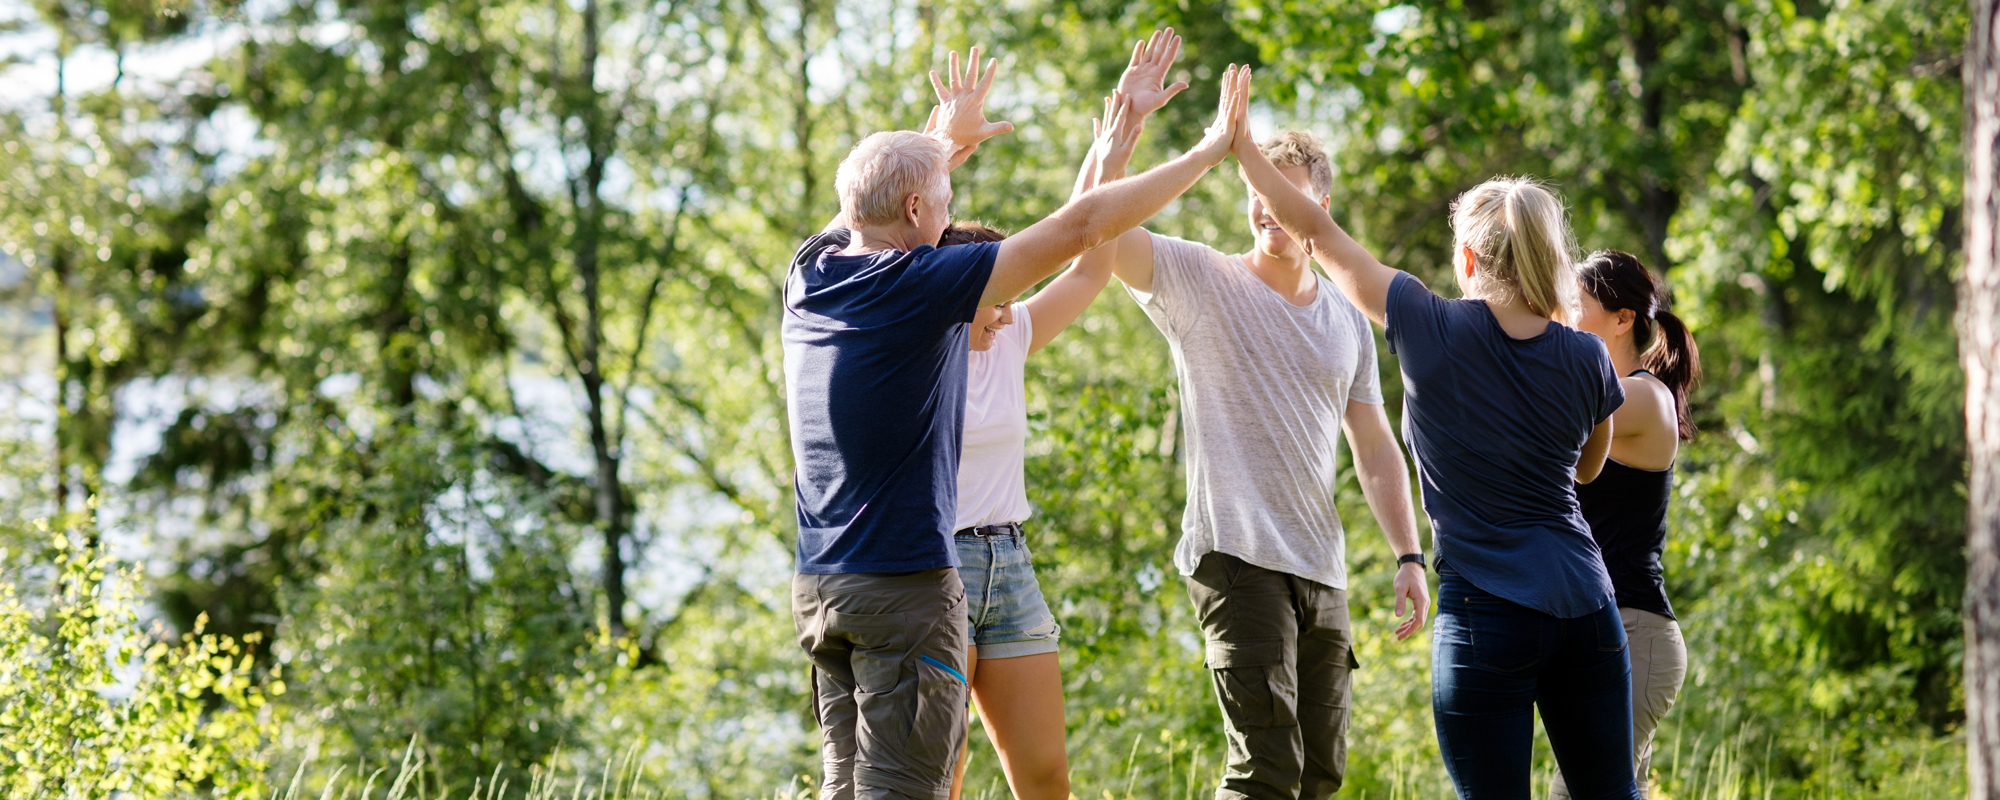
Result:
pixel 1108 210
pixel 1385 481
pixel 1363 279
pixel 1145 81
pixel 1057 305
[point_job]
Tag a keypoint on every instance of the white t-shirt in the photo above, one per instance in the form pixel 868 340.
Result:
pixel 1264 385
pixel 991 489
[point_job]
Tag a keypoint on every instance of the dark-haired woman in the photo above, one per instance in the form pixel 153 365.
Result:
pixel 1626 507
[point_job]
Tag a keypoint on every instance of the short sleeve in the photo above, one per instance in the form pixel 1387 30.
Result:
pixel 1367 386
pixel 1613 394
pixel 1414 322
pixel 1018 336
pixel 1176 272
pixel 955 277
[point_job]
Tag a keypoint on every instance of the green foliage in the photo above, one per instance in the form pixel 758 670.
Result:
pixel 440 605
pixel 444 297
pixel 94 705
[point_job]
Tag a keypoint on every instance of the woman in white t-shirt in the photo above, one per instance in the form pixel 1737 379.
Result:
pixel 1015 675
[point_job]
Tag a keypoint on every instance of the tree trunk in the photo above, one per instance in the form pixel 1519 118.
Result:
pixel 610 494
pixel 1980 347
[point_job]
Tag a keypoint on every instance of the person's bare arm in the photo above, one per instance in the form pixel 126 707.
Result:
pixel 1145 81
pixel 1133 261
pixel 1363 279
pixel 1109 210
pixel 1591 461
pixel 1058 304
pixel 1385 480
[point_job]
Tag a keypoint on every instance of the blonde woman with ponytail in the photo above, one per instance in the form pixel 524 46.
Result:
pixel 1504 408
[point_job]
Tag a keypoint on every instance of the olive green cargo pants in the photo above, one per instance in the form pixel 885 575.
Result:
pixel 1282 660
pixel 889 692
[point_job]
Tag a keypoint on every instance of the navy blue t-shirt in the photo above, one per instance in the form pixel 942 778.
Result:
pixel 875 351
pixel 1496 425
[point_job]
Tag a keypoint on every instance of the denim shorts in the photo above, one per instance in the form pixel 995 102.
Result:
pixel 1003 601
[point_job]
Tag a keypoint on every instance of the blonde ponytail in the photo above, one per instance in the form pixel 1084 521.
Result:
pixel 1521 242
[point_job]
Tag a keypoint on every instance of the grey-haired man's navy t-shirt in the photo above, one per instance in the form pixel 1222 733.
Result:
pixel 875 353
pixel 1496 425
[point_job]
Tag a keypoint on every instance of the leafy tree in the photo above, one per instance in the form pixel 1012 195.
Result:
pixel 92 704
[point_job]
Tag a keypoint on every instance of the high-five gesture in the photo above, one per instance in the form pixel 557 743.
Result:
pixel 1146 74
pixel 1117 132
pixel 1239 122
pixel 960 116
pixel 1232 109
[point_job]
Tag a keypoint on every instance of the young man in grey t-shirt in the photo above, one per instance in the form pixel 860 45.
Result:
pixel 1272 361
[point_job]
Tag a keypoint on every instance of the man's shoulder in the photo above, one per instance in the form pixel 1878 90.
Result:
pixel 818 244
pixel 1337 300
pixel 1173 249
pixel 956 254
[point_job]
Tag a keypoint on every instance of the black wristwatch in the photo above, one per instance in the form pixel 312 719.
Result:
pixel 1412 558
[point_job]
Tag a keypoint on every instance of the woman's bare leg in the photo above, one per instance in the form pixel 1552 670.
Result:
pixel 965 747
pixel 1021 705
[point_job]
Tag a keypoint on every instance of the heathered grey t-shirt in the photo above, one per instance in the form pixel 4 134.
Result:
pixel 1263 387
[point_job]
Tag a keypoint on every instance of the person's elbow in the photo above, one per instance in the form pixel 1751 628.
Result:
pixel 1588 469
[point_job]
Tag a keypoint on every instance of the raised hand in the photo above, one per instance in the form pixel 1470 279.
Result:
pixel 1240 121
pixel 1117 132
pixel 1147 71
pixel 960 116
pixel 1232 110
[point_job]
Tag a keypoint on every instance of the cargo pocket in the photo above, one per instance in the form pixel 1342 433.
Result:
pixel 813 695
pixel 939 725
pixel 1255 689
pixel 879 641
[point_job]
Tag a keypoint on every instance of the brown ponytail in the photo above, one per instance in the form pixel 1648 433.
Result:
pixel 1618 281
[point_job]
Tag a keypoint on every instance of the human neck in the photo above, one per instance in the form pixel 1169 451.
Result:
pixel 877 238
pixel 1286 274
pixel 1515 318
pixel 1624 355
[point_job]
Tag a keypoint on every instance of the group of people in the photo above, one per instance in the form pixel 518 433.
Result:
pixel 1544 412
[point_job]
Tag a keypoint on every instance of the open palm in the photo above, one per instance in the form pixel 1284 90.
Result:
pixel 1146 74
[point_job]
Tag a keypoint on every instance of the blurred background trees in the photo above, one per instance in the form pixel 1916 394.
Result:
pixel 428 348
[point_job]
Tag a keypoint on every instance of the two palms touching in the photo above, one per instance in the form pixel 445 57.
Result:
pixel 960 119
pixel 960 115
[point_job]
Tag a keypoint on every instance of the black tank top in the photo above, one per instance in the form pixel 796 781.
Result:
pixel 1627 511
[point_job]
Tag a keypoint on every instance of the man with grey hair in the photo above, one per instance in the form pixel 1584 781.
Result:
pixel 1272 361
pixel 875 338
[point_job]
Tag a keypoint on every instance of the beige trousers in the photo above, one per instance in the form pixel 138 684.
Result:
pixel 1659 662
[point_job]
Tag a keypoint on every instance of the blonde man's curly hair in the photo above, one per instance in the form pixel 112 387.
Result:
pixel 1301 149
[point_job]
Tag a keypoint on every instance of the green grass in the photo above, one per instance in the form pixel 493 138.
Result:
pixel 1689 766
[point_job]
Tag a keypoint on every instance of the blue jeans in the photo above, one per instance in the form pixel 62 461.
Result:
pixel 1494 661
pixel 1004 608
